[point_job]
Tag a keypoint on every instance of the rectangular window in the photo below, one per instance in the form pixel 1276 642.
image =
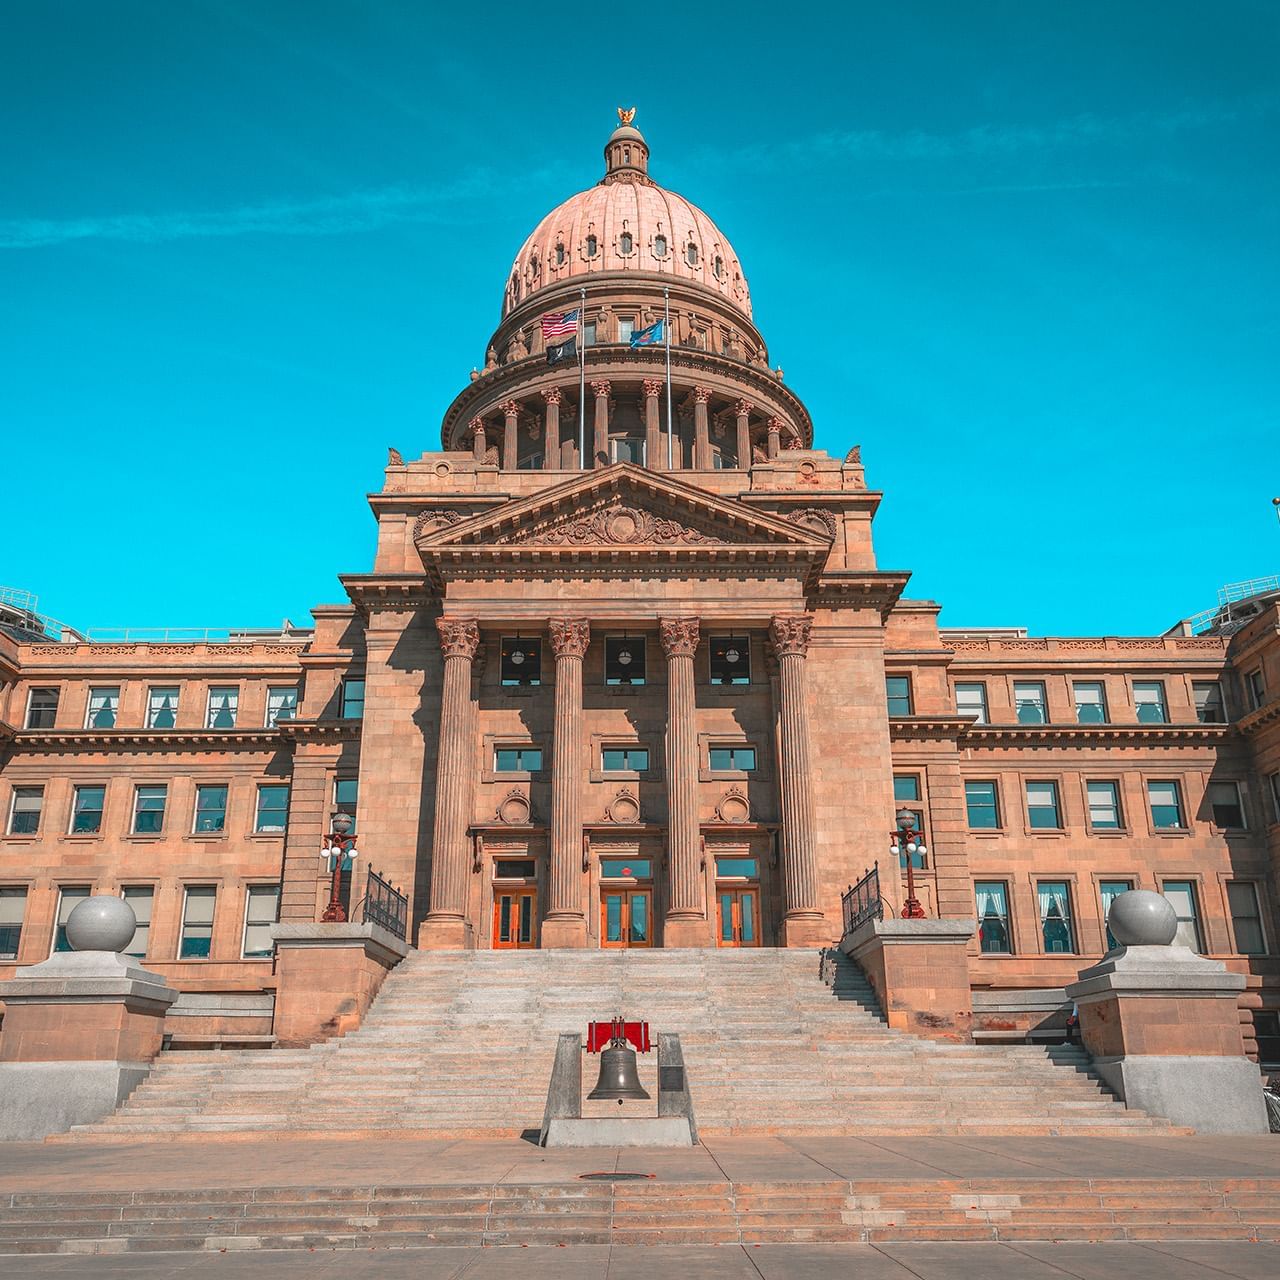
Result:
pixel 1109 891
pixel 971 701
pixel 1165 799
pixel 272 813
pixel 1055 917
pixel 626 869
pixel 1148 698
pixel 627 449
pixel 13 906
pixel 1104 806
pixel 589 333
pixel 1255 688
pixel 261 905
pixel 517 759
pixel 624 660
pixel 1210 708
pixel 352 706
pixel 624 759
pixel 906 786
pixel 224 702
pixel 70 896
pixel 994 936
pixel 211 809
pixel 139 897
pixel 42 710
pixel 723 759
pixel 626 327
pixel 103 704
pixel 24 811
pixel 1273 783
pixel 734 868
pixel 1043 812
pixel 897 691
pixel 1029 698
pixel 148 809
pixel 730 660
pixel 981 801
pixel 1091 701
pixel 282 703
pixel 162 708
pixel 1227 805
pixel 197 921
pixel 1182 893
pixel 345 795
pixel 1246 918
pixel 514 869
pixel 86 810
pixel 521 661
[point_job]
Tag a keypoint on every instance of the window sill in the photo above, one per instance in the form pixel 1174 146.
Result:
pixel 1104 833
pixel 205 836
pixel 622 775
pixel 1171 831
pixel 144 837
pixel 24 837
pixel 268 835
pixel 80 837
pixel 726 775
pixel 1046 833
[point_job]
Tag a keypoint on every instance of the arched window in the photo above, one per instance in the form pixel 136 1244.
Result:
pixel 691 254
pixel 625 244
pixel 559 253
pixel 626 155
pixel 719 267
pixel 593 246
pixel 659 246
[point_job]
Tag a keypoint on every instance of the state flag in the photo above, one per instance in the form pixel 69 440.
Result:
pixel 651 336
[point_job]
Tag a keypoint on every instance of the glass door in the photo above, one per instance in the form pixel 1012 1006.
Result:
pixel 739 917
pixel 626 917
pixel 513 917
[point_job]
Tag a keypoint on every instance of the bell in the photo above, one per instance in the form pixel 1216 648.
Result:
pixel 618 1075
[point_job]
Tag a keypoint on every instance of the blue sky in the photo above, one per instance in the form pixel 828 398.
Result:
pixel 1025 253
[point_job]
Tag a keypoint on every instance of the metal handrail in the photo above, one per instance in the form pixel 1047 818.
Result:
pixel 385 906
pixel 862 902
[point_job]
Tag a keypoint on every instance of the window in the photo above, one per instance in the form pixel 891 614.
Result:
pixel 24 811
pixel 42 709
pixel 1274 786
pixel 624 660
pixel 1043 812
pixel 345 795
pixel 1182 893
pixel 735 868
pixel 530 462
pixel 718 268
pixel 1055 916
pixel 993 917
pixel 981 801
pixel 659 246
pixel 103 704
pixel 162 708
pixel 691 254
pixel 1104 806
pixel 724 759
pixel 593 246
pixel 1091 701
pixel 139 897
pixel 224 701
pixel 626 869
pixel 1109 891
pixel 898 692
pixel 560 253
pixel 1165 799
pixel 1148 698
pixel 517 759
pixel 971 701
pixel 1210 709
pixel 197 921
pixel 86 810
pixel 261 904
pixel 1266 1026
pixel 624 759
pixel 906 793
pixel 272 813
pixel 730 660
pixel 70 896
pixel 13 906
pixel 1227 805
pixel 589 333
pixel 1255 688
pixel 148 809
pixel 351 706
pixel 628 449
pixel 514 869
pixel 626 325
pixel 1029 698
pixel 1246 917
pixel 211 809
pixel 282 703
pixel 521 661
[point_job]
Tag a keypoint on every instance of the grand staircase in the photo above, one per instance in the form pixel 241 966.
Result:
pixel 775 1041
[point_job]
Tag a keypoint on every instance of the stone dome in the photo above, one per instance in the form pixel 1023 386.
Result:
pixel 627 223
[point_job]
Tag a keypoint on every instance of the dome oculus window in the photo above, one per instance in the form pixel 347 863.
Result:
pixel 625 244
pixel 691 254
pixel 521 661
pixel 593 246
pixel 659 246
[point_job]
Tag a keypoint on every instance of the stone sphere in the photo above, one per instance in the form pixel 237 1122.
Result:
pixel 101 923
pixel 1140 918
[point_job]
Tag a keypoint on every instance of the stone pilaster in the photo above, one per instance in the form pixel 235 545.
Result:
pixel 565 922
pixel 510 434
pixel 743 411
pixel 446 924
pixel 655 455
pixel 551 429
pixel 600 446
pixel 686 920
pixel 701 435
pixel 479 439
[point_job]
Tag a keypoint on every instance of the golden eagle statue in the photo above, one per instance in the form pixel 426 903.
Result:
pixel 626 114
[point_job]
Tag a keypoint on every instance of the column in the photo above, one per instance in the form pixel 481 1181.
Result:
pixel 551 397
pixel 655 455
pixel 510 434
pixel 775 437
pixel 565 922
pixel 701 439
pixel 479 441
pixel 743 410
pixel 686 921
pixel 600 447
pixel 446 925
pixel 803 922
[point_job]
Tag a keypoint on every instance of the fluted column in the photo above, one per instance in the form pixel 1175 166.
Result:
pixel 701 435
pixel 551 429
pixel 510 434
pixel 654 454
pixel 446 924
pixel 600 447
pixel 803 922
pixel 775 436
pixel 743 410
pixel 686 920
pixel 565 923
pixel 479 441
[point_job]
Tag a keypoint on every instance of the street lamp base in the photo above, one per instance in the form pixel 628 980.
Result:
pixel 912 910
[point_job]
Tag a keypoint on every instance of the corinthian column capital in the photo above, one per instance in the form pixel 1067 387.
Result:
pixel 552 395
pixel 569 637
pixel 679 636
pixel 510 408
pixel 743 408
pixel 701 395
pixel 459 637
pixel 790 633
pixel 653 387
pixel 601 389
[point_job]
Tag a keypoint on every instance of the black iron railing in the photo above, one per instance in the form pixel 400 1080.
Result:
pixel 386 907
pixel 862 901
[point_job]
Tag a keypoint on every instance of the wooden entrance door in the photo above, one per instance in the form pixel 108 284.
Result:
pixel 514 914
pixel 626 917
pixel 739 917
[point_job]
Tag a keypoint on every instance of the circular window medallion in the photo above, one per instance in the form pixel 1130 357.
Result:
pixel 514 810
pixel 443 468
pixel 623 808
pixel 733 807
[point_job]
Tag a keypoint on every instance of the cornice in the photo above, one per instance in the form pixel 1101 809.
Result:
pixel 835 588
pixel 148 739
pixel 389 590
pixel 1266 714
pixel 927 728
pixel 1095 735
pixel 320 730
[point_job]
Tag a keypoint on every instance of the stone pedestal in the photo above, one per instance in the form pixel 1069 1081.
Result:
pixel 919 970
pixel 328 975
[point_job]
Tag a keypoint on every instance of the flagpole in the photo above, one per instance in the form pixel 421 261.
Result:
pixel 582 381
pixel 666 333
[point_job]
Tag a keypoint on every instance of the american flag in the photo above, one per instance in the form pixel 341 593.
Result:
pixel 557 327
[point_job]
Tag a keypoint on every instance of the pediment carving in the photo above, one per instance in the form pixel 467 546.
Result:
pixel 616 525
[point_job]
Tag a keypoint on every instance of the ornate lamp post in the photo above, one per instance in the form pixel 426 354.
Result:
pixel 337 845
pixel 906 843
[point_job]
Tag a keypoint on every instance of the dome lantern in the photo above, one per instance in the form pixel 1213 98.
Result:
pixel 626 153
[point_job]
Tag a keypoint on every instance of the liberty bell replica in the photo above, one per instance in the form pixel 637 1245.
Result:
pixel 618 1075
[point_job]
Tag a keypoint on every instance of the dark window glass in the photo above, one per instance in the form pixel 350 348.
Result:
pixel 517 759
pixel 737 868
pixel 1209 704
pixel 1225 802
pixel 730 660
pixel 42 708
pixel 273 808
pixel 624 759
pixel 1055 916
pixel 593 246
pixel 211 808
pixel 993 916
pixel 1246 919
pixel 102 708
pixel 521 661
pixel 1091 702
pixel 898 692
pixel 625 243
pixel 69 898
pixel 162 708
pixel 980 800
pixel 1148 697
pixel 13 906
pixel 1110 890
pixel 1042 805
pixel 224 704
pixel 624 660
pixel 24 816
pixel 691 254
pixel 1166 805
pixel 742 759
pixel 1257 689
pixel 659 246
pixel 560 254
pixel 1182 893
pixel 352 700
pixel 86 812
pixel 197 922
pixel 906 786
pixel 513 869
pixel 148 809
pixel 1029 698
pixel 625 869
pixel 719 267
